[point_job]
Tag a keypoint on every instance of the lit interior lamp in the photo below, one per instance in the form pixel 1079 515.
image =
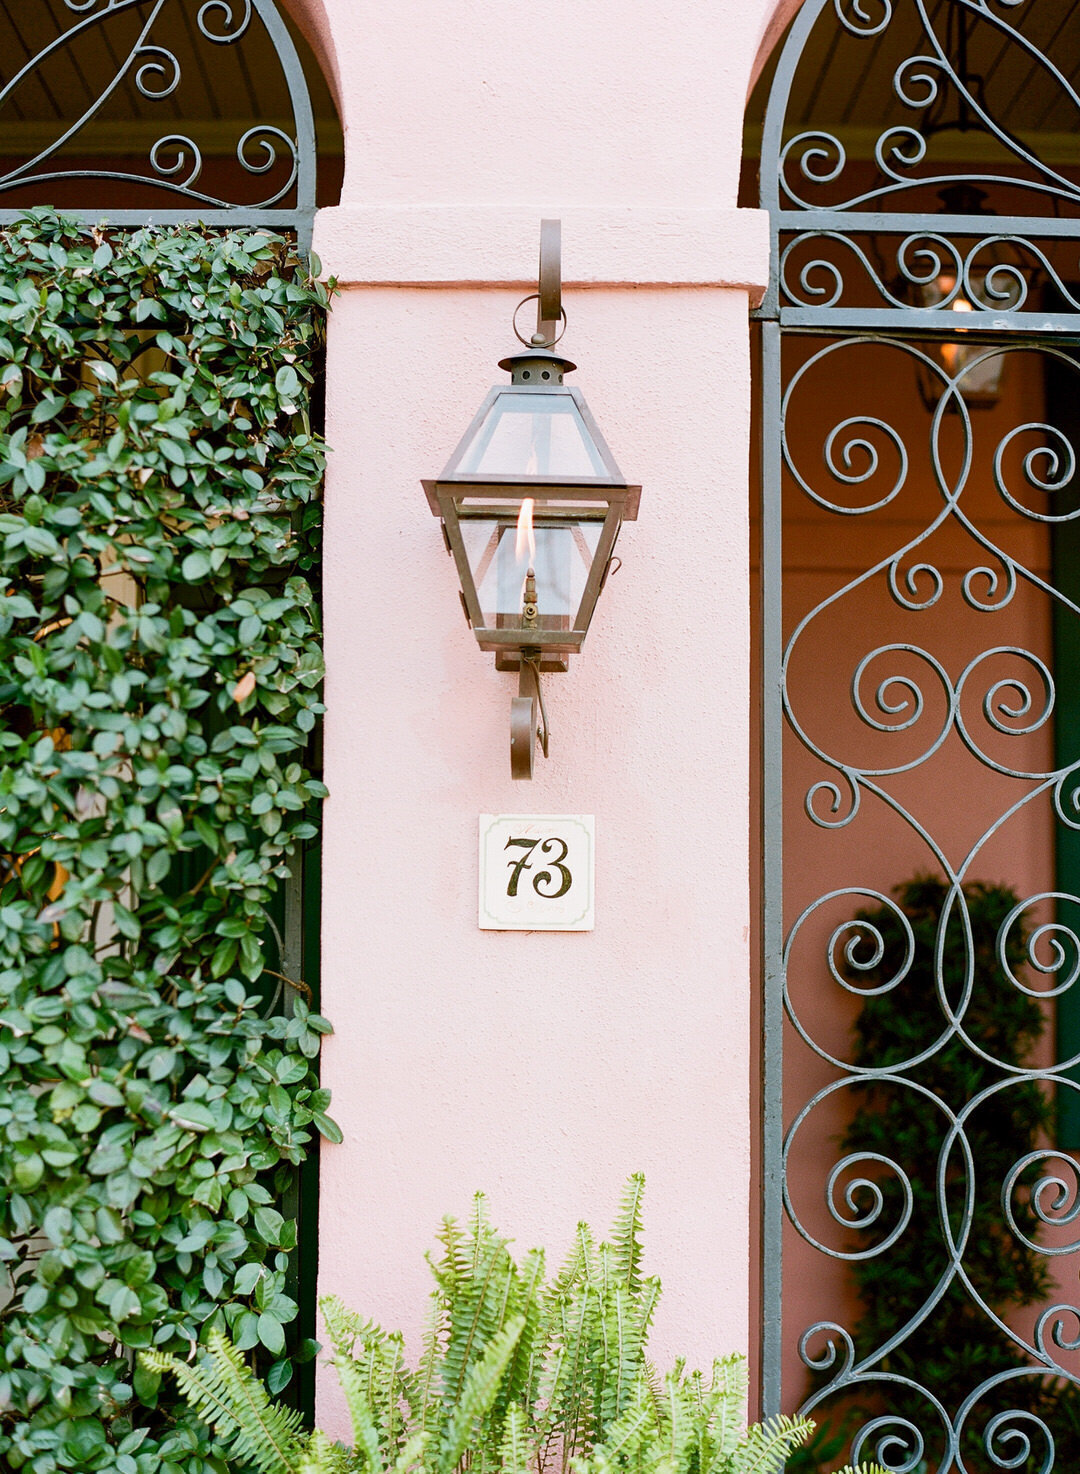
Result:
pixel 980 385
pixel 531 503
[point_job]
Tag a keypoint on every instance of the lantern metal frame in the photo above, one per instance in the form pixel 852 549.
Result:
pixel 614 498
pixel 459 496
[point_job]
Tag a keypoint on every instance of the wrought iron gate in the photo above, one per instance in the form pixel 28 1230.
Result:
pixel 169 111
pixel 920 381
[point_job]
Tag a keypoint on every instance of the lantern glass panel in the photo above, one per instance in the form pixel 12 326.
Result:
pixel 561 556
pixel 530 433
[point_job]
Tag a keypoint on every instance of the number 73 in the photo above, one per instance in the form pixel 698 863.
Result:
pixel 542 877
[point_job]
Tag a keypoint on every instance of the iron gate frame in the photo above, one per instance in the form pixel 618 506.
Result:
pixel 781 316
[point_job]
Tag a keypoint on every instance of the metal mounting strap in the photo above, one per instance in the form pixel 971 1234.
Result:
pixel 549 298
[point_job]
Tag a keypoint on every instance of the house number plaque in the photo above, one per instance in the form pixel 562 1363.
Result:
pixel 536 872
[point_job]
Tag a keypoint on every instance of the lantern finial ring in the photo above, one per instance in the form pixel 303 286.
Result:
pixel 531 342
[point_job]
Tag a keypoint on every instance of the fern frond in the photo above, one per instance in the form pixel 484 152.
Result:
pixel 726 1407
pixel 616 1329
pixel 515 1452
pixel 630 1429
pixel 580 1267
pixel 396 1392
pixel 323 1457
pixel 345 1327
pixel 453 1266
pixel 626 1235
pixel 354 1384
pixel 678 1426
pixel 478 1393
pixel 480 1230
pixel 379 1378
pixel 523 1373
pixel 411 1454
pixel 647 1299
pixel 426 1405
pixel 478 1307
pixel 566 1411
pixel 701 1409
pixel 226 1393
pixel 764 1447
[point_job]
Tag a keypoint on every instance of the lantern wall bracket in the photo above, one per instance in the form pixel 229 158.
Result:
pixel 550 313
pixel 528 717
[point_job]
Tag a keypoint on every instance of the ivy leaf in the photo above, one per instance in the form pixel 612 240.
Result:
pixel 269 1225
pixel 279 1376
pixel 39 539
pixel 271 1333
pixel 286 382
pixel 248 1276
pixel 104 1093
pixel 102 370
pixel 192 1116
pixel 246 1331
pixel 328 1128
pixel 123 1303
pixel 195 567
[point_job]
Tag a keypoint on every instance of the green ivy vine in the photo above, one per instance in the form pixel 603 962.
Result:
pixel 159 682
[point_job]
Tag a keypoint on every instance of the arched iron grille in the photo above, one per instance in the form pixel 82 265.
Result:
pixel 126 100
pixel 920 411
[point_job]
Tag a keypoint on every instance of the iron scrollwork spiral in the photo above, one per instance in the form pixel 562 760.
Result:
pixel 147 62
pixel 816 182
pixel 924 75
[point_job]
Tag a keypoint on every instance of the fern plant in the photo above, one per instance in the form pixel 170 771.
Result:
pixel 519 1375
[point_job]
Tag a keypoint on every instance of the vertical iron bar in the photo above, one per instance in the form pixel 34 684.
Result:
pixel 292 965
pixel 292 962
pixel 772 1012
pixel 303 120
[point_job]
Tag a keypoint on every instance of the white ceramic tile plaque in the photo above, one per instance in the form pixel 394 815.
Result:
pixel 536 872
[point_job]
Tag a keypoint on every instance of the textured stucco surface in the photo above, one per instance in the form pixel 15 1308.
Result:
pixel 486 245
pixel 541 1067
pixel 620 102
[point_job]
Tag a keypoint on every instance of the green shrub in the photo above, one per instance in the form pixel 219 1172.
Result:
pixel 519 1375
pixel 159 677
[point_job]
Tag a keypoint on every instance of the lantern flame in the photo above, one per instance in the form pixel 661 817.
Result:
pixel 950 352
pixel 525 543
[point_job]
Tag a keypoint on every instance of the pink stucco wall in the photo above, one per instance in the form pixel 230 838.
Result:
pixel 541 1067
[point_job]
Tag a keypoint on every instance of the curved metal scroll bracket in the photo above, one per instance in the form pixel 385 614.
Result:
pixel 549 295
pixel 528 718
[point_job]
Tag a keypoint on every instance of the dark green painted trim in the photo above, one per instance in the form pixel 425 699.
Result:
pixel 1063 412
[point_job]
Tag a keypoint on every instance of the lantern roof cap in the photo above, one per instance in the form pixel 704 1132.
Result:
pixel 527 365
